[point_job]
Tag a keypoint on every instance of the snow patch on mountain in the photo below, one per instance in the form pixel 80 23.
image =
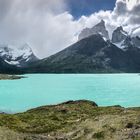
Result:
pixel 120 44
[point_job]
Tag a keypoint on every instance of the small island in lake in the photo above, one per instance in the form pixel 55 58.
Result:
pixel 10 77
pixel 72 120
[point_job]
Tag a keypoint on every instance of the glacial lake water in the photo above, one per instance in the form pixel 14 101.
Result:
pixel 45 89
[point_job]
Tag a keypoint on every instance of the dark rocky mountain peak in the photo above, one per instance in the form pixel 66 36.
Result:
pixel 119 35
pixel 97 29
pixel 94 54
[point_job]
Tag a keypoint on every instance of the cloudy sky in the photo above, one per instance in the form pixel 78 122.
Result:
pixel 48 26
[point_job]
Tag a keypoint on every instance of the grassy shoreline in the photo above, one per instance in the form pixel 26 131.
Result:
pixel 10 77
pixel 78 120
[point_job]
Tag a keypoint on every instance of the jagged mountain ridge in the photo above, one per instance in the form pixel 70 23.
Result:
pixel 119 35
pixel 122 39
pixel 91 55
pixel 97 29
pixel 95 54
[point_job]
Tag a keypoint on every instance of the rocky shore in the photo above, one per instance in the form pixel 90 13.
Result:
pixel 72 120
pixel 10 77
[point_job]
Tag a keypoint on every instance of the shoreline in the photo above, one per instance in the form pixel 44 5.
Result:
pixel 10 112
pixel 10 77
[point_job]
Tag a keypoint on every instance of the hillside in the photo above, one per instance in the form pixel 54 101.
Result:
pixel 6 68
pixel 77 120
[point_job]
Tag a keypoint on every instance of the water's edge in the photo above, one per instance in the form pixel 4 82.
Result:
pixel 49 89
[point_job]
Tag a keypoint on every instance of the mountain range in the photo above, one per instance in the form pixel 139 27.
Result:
pixel 93 53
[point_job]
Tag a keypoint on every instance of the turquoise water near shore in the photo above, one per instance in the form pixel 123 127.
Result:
pixel 45 89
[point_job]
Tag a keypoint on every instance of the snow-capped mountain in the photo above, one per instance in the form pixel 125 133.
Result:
pixel 97 29
pixel 19 56
pixel 123 40
pixel 120 38
pixel 94 53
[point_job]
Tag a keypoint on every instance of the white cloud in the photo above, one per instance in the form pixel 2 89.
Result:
pixel 43 24
pixel 132 3
pixel 48 27
pixel 126 13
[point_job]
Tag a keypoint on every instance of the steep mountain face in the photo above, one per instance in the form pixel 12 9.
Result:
pixel 19 56
pixel 76 58
pixel 122 39
pixel 91 55
pixel 136 41
pixel 95 54
pixel 97 29
pixel 119 35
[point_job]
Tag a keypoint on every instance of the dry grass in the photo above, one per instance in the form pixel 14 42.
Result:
pixel 80 120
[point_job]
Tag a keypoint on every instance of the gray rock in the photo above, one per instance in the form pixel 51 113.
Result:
pixel 119 35
pixel 136 41
pixel 97 29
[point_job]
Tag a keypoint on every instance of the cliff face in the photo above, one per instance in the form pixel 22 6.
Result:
pixel 119 35
pixel 97 29
pixel 82 120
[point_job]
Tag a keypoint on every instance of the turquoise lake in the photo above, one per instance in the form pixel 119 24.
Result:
pixel 45 89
